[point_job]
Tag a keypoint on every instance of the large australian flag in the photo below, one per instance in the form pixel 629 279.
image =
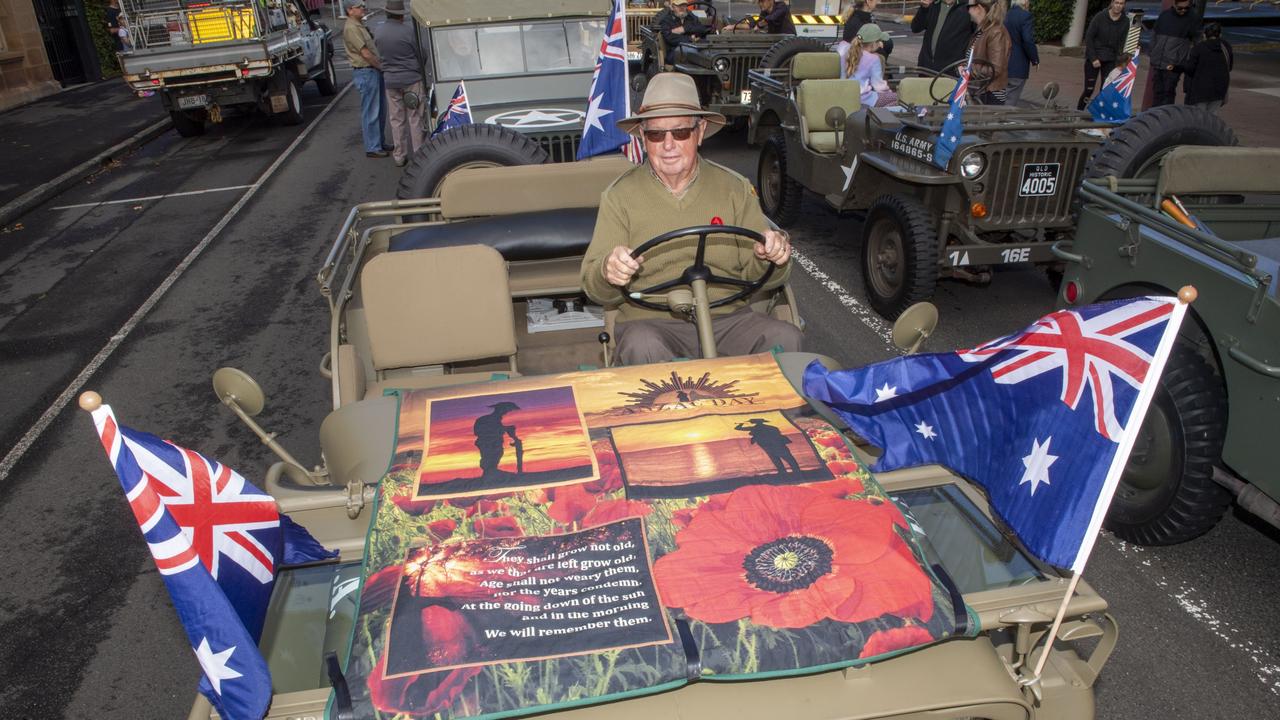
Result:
pixel 217 541
pixel 1114 103
pixel 609 100
pixel 953 126
pixel 1043 419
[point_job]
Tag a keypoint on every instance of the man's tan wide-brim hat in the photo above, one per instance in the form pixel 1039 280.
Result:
pixel 671 94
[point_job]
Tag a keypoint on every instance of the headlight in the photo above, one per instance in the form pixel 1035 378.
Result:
pixel 972 165
pixel 721 64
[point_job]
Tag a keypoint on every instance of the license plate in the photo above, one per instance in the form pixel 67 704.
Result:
pixel 745 97
pixel 633 55
pixel 191 102
pixel 1039 180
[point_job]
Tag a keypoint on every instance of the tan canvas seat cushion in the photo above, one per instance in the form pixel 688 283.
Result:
pixel 814 98
pixel 915 90
pixel 437 306
pixel 418 381
pixel 1192 169
pixel 476 192
pixel 815 65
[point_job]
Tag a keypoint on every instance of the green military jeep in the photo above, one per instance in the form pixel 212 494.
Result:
pixel 720 62
pixel 1212 427
pixel 1005 197
pixel 445 310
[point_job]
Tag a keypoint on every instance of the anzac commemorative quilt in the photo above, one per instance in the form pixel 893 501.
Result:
pixel 548 542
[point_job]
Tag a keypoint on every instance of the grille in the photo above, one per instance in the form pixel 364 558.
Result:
pixel 738 67
pixel 1004 174
pixel 635 21
pixel 561 148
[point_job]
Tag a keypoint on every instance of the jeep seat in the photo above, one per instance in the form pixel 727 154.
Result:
pixel 523 236
pixel 915 90
pixel 814 98
pixel 418 324
pixel 815 66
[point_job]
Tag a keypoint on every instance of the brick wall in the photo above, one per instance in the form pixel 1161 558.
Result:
pixel 24 68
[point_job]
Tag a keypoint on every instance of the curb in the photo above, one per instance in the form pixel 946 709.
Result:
pixel 14 209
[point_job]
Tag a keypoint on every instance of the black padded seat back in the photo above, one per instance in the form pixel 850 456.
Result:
pixel 543 235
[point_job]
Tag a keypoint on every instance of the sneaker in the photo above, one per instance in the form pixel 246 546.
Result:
pixel 377 154
pixel 401 162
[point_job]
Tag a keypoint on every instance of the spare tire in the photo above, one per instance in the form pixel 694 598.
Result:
pixel 474 145
pixel 1135 148
pixel 782 51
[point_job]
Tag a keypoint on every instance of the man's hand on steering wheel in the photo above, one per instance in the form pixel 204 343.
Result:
pixel 619 267
pixel 776 248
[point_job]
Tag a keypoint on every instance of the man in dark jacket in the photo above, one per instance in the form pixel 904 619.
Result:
pixel 680 25
pixel 1175 30
pixel 1208 70
pixel 947 30
pixel 860 16
pixel 775 18
pixel 1103 43
pixel 1022 52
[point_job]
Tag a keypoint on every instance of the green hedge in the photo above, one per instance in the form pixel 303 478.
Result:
pixel 1052 18
pixel 95 13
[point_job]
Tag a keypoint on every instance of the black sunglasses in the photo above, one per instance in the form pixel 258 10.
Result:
pixel 681 134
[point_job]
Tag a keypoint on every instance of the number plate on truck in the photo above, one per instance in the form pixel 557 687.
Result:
pixel 191 102
pixel 1039 179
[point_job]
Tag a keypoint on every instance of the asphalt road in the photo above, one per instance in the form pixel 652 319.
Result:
pixel 85 625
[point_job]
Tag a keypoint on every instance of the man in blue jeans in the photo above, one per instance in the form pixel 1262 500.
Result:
pixel 366 72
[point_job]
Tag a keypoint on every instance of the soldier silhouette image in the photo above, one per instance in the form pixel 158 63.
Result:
pixel 771 440
pixel 489 430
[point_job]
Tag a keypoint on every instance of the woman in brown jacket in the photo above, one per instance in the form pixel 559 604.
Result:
pixel 991 43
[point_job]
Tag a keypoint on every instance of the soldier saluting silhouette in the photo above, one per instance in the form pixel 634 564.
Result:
pixel 771 440
pixel 489 431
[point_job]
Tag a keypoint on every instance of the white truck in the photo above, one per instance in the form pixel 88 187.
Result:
pixel 205 56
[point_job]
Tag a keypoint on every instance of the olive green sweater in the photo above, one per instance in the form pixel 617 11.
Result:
pixel 637 207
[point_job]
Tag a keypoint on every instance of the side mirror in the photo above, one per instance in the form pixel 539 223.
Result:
pixel 914 326
pixel 835 118
pixel 1050 90
pixel 235 386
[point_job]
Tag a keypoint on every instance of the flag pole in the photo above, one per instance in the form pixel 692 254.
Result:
pixel 1186 296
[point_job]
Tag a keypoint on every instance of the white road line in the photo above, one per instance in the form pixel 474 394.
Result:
pixel 868 316
pixel 1189 599
pixel 118 338
pixel 151 197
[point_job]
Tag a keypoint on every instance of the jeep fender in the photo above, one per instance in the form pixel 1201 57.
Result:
pixel 876 175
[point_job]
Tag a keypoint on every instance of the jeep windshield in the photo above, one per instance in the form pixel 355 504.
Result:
pixel 516 48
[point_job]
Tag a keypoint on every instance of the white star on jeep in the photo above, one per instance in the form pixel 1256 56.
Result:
pixel 538 116
pixel 926 430
pixel 848 173
pixel 215 664
pixel 886 392
pixel 1037 464
pixel 594 113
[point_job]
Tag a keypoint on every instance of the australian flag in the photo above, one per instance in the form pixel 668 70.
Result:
pixel 217 541
pixel 953 127
pixel 1114 103
pixel 457 114
pixel 609 100
pixel 1043 419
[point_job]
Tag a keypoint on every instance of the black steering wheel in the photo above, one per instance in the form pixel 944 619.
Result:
pixel 708 8
pixel 699 270
pixel 980 76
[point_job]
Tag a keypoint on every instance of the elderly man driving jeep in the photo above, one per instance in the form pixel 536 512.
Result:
pixel 676 188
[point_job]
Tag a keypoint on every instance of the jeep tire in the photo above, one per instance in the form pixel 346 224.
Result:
pixel 780 195
pixel 1134 149
pixel 293 113
pixel 1167 494
pixel 899 254
pixel 188 123
pixel 474 145
pixel 782 51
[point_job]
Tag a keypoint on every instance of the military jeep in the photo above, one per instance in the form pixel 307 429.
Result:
pixel 719 63
pixel 447 302
pixel 1005 197
pixel 1208 216
pixel 526 69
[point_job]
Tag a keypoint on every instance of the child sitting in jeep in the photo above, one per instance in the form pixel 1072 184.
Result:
pixel 864 64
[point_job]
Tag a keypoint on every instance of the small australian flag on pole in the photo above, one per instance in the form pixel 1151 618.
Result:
pixel 457 114
pixel 953 127
pixel 609 99
pixel 1114 103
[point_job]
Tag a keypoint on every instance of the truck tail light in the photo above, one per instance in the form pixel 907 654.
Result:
pixel 1071 292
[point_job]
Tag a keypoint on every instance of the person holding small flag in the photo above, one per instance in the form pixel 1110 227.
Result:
pixel 1103 42
pixel 677 188
pixel 1114 103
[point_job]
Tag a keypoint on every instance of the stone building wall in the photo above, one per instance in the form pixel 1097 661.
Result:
pixel 24 68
